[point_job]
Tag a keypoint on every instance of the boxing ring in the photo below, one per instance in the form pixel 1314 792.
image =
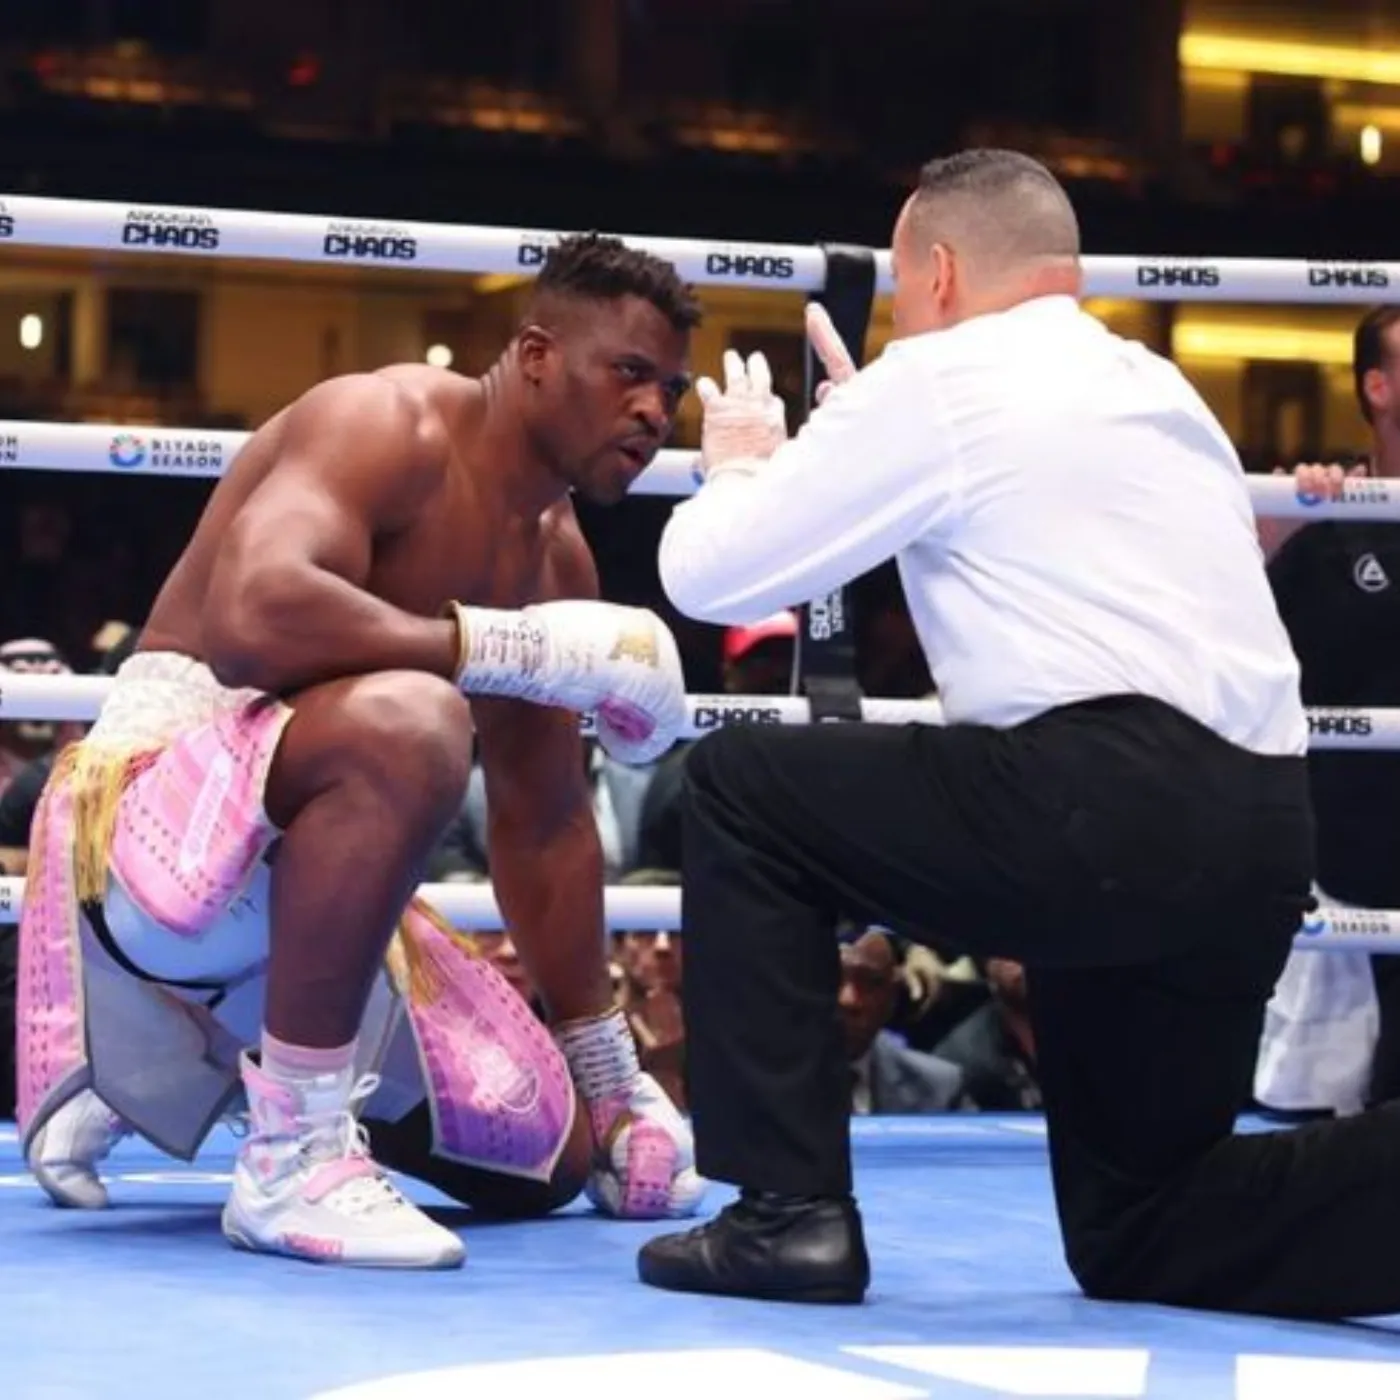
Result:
pixel 970 1295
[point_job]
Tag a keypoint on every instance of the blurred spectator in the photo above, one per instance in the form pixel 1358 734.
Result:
pixel 39 594
pixel 24 740
pixel 649 966
pixel 942 987
pixel 618 795
pixel 886 1075
pixel 890 660
pixel 114 642
pixel 758 660
pixel 498 948
pixel 995 1046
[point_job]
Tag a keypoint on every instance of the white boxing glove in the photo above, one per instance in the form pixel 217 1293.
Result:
pixel 644 1167
pixel 618 663
pixel 746 423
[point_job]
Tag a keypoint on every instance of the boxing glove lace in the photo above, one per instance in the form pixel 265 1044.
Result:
pixel 618 663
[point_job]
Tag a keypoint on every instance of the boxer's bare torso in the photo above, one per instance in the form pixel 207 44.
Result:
pixel 446 523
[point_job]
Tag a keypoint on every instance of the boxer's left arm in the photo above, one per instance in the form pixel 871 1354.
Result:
pixel 545 855
pixel 544 852
pixel 546 865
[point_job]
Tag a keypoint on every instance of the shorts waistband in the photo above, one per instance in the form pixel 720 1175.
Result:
pixel 157 694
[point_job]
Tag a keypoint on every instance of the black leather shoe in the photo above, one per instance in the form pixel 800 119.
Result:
pixel 794 1249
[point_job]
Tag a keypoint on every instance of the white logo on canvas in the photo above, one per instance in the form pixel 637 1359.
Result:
pixel 1369 576
pixel 999 1373
pixel 204 819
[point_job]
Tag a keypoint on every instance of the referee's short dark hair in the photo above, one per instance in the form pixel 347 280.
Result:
pixel 1369 349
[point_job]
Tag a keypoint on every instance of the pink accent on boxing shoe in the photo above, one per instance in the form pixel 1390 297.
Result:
pixel 191 825
pixel 312 1247
pixel 500 1091
pixel 273 1107
pixel 330 1175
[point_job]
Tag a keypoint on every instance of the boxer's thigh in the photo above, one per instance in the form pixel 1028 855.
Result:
pixel 404 732
pixel 407 1146
pixel 187 879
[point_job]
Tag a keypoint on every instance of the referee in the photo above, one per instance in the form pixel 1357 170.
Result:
pixel 1119 800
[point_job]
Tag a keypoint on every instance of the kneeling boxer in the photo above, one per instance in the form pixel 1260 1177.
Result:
pixel 236 842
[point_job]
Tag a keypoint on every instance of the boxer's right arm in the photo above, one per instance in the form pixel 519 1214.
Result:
pixel 287 605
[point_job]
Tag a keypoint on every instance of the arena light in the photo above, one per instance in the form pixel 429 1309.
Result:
pixel 1371 144
pixel 1211 340
pixel 1349 117
pixel 1239 53
pixel 31 331
pixel 439 356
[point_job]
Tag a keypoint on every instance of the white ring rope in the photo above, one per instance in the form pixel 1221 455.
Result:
pixel 80 697
pixel 200 453
pixel 30 221
pixel 27 221
pixel 47 697
pixel 658 908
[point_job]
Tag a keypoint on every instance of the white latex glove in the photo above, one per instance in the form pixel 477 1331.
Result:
pixel 746 422
pixel 830 349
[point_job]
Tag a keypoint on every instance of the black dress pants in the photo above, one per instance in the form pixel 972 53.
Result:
pixel 1149 875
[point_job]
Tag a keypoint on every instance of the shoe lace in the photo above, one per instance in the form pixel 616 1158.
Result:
pixel 343 1138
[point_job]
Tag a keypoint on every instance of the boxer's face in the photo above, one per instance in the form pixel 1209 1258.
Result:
pixel 611 380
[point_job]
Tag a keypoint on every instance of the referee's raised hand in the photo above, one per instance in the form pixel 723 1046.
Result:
pixel 830 349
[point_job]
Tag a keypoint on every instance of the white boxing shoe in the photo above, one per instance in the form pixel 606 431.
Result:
pixel 305 1185
pixel 66 1151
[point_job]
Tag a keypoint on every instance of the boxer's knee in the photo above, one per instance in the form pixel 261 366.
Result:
pixel 405 734
pixel 510 1198
pixel 414 733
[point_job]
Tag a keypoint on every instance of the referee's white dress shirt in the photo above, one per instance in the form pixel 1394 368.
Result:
pixel 1068 517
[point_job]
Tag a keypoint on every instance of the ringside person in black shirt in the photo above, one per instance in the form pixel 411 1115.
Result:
pixel 1332 1034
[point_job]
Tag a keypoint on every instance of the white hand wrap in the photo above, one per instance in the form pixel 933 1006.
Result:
pixel 645 1163
pixel 747 423
pixel 618 663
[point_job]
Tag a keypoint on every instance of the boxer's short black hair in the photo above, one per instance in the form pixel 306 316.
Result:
pixel 599 267
pixel 1370 351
